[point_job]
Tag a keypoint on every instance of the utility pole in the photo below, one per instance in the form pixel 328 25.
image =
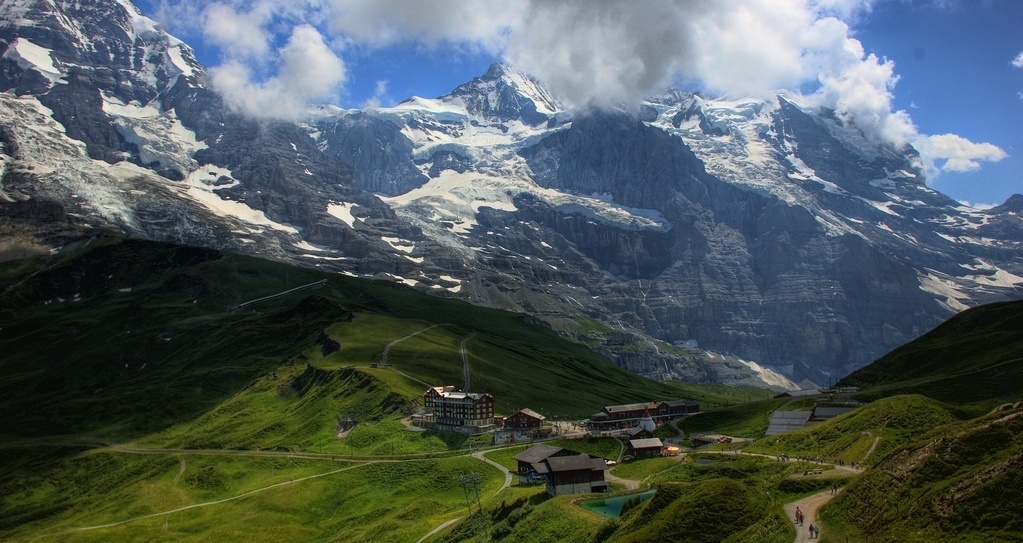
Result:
pixel 471 485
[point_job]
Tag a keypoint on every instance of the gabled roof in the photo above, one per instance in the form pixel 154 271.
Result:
pixel 799 393
pixel 626 407
pixel 645 443
pixel 529 412
pixel 677 403
pixel 786 421
pixel 537 453
pixel 581 461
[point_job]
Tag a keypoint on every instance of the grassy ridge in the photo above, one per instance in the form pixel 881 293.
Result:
pixel 133 341
pixel 956 483
pixel 144 338
pixel 974 357
pixel 875 429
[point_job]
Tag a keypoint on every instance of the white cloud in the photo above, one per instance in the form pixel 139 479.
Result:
pixel 952 153
pixel 308 70
pixel 1018 61
pixel 586 51
pixel 977 205
pixel 383 22
pixel 379 95
pixel 239 35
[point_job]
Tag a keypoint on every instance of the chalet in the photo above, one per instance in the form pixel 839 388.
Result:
pixel 536 454
pixel 645 448
pixel 573 474
pixel 639 433
pixel 448 409
pixel 618 417
pixel 524 419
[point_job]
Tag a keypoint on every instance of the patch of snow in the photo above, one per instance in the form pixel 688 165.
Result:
pixel 148 128
pixel 29 56
pixel 310 247
pixel 179 62
pixel 994 276
pixel 342 211
pixel 202 191
pixel 769 376
pixel 399 244
pixel 321 257
pixel 948 292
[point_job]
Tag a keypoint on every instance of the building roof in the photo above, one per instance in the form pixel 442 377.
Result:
pixel 645 443
pixel 676 403
pixel 786 421
pixel 537 453
pixel 626 407
pixel 581 461
pixel 450 392
pixel 799 393
pixel 530 413
pixel 638 430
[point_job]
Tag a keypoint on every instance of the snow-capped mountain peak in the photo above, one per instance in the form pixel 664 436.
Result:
pixel 506 94
pixel 762 228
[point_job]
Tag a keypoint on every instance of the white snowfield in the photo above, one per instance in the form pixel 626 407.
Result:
pixel 30 56
pixel 742 153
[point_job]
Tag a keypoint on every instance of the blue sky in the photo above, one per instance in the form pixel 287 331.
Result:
pixel 955 75
pixel 938 74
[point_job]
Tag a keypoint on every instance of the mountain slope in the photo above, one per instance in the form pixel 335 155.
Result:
pixel 743 241
pixel 123 337
pixel 976 356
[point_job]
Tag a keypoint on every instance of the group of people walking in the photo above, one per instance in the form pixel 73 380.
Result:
pixel 814 530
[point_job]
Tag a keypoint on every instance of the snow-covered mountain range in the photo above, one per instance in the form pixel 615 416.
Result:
pixel 739 241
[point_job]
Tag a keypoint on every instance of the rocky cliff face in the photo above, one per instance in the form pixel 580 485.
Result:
pixel 690 238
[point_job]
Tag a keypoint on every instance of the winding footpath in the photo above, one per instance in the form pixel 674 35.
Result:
pixel 481 455
pixel 809 506
pixel 387 348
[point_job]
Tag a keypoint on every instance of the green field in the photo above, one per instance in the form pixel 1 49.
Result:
pixel 147 407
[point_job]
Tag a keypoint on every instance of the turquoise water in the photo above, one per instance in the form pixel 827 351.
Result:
pixel 612 507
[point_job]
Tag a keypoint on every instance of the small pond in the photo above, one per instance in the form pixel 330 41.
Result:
pixel 612 507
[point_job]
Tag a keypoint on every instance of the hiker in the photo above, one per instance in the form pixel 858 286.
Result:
pixel 799 516
pixel 810 528
pixel 816 531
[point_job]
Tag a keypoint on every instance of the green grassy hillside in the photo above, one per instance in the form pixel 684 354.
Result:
pixel 132 386
pixel 974 357
pixel 863 435
pixel 129 337
pixel 142 405
pixel 957 482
